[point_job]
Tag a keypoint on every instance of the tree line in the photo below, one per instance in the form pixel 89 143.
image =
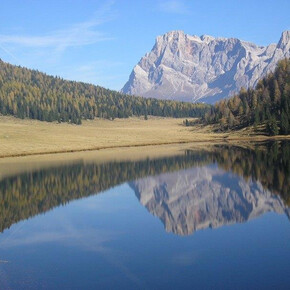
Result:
pixel 268 105
pixel 26 93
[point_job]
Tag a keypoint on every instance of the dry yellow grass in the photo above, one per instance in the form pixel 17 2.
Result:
pixel 21 137
pixel 27 137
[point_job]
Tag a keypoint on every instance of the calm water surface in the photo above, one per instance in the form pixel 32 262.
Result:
pixel 203 219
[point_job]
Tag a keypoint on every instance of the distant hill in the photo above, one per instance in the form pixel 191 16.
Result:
pixel 190 68
pixel 26 93
pixel 267 104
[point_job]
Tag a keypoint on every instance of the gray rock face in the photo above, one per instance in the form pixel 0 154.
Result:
pixel 191 68
pixel 199 198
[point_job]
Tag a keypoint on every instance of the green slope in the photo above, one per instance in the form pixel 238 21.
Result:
pixel 26 93
pixel 268 104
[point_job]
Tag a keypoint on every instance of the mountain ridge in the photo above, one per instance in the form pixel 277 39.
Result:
pixel 191 68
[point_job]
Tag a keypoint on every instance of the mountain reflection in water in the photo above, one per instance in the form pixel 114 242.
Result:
pixel 194 190
pixel 202 197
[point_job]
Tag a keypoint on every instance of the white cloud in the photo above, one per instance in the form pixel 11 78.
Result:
pixel 74 237
pixel 173 6
pixel 8 52
pixel 69 234
pixel 79 34
pixel 52 51
pixel 185 258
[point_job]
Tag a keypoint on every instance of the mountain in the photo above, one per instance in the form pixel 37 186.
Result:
pixel 26 93
pixel 204 197
pixel 192 68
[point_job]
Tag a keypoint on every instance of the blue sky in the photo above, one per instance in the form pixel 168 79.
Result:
pixel 100 41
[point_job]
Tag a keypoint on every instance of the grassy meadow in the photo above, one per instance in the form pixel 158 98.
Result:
pixel 28 137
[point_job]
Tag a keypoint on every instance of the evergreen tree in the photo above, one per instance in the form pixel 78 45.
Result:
pixel 269 103
pixel 30 94
pixel 272 127
pixel 284 130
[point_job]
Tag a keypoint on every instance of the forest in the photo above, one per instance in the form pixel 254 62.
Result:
pixel 26 93
pixel 267 106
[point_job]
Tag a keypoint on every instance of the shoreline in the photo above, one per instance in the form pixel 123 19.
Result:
pixel 216 140
pixel 20 138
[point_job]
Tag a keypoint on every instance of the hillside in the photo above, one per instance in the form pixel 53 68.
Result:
pixel 191 68
pixel 266 106
pixel 26 93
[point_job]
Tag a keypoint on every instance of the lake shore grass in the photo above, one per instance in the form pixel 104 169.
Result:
pixel 31 137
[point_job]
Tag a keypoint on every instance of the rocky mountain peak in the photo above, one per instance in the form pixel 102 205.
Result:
pixel 284 42
pixel 206 38
pixel 191 68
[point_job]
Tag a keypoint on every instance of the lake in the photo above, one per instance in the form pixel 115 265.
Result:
pixel 213 217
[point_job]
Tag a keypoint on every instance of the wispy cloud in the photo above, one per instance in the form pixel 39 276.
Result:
pixel 173 6
pixel 57 41
pixel 185 258
pixel 88 239
pixel 79 35
pixel 8 52
pixel 74 51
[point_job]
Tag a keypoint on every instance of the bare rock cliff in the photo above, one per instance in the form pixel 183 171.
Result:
pixel 192 68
